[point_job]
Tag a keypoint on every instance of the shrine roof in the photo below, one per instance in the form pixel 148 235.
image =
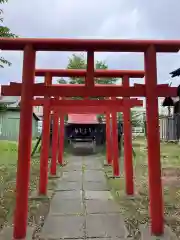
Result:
pixel 82 119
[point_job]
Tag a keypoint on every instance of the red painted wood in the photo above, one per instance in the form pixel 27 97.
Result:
pixel 108 140
pixel 24 146
pixel 99 73
pixel 153 142
pixel 43 179
pixel 89 80
pixel 99 90
pixel 151 91
pixel 55 135
pixel 87 103
pixel 99 45
pixel 115 149
pixel 61 139
pixel 128 161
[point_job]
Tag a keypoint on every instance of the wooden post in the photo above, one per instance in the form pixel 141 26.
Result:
pixel 128 163
pixel 108 139
pixel 55 134
pixel 25 142
pixel 61 139
pixel 153 141
pixel 115 144
pixel 43 180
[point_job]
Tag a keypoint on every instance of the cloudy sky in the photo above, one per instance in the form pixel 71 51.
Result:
pixel 138 19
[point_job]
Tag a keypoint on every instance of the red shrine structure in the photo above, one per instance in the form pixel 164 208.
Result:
pixel 60 105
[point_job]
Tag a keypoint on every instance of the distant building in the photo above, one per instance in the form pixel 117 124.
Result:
pixel 9 124
pixel 10 119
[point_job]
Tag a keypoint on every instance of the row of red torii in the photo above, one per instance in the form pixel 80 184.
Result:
pixel 28 90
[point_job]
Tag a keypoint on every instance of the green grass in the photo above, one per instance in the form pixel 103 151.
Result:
pixel 135 210
pixel 8 162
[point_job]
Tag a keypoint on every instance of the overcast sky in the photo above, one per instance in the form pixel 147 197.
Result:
pixel 138 19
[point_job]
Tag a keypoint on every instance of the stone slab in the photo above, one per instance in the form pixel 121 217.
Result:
pixel 74 166
pixel 92 165
pixel 94 176
pixel 7 233
pixel 71 168
pixel 73 159
pixel 67 186
pixel 146 234
pixel 66 207
pixel 105 226
pixel 95 186
pixel 73 176
pixel 98 206
pixel 60 227
pixel 35 195
pixel 99 195
pixel 67 195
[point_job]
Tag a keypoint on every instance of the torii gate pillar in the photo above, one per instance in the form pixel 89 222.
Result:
pixel 128 163
pixel 55 134
pixel 25 142
pixel 108 139
pixel 153 141
pixel 61 139
pixel 43 180
pixel 115 144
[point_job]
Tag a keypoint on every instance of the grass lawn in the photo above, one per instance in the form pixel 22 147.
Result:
pixel 8 161
pixel 135 210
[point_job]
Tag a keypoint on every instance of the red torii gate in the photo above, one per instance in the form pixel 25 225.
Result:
pixel 94 106
pixel 150 90
pixel 125 75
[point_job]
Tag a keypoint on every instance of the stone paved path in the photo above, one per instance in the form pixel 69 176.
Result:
pixel 83 206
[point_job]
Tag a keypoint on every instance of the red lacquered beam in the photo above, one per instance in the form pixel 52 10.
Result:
pixel 90 109
pixel 87 103
pixel 18 83
pixel 77 90
pixel 83 72
pixel 72 90
pixel 99 45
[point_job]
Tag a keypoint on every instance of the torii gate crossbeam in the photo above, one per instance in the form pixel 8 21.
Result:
pixel 151 91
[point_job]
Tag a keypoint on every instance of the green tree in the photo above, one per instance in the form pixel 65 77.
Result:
pixel 78 61
pixel 134 118
pixel 62 81
pixel 3 107
pixel 4 32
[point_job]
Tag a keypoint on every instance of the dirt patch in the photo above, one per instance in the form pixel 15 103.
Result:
pixel 39 217
pixel 171 172
pixel 171 176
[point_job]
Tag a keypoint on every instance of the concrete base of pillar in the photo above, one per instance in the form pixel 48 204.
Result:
pixel 107 165
pixel 109 175
pixel 58 175
pixel 35 195
pixel 7 233
pixel 62 165
pixel 146 234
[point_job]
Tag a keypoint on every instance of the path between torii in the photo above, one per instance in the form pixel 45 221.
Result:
pixel 82 206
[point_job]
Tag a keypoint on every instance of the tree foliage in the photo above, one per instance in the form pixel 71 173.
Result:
pixel 6 33
pixel 3 107
pixel 78 61
pixel 134 118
